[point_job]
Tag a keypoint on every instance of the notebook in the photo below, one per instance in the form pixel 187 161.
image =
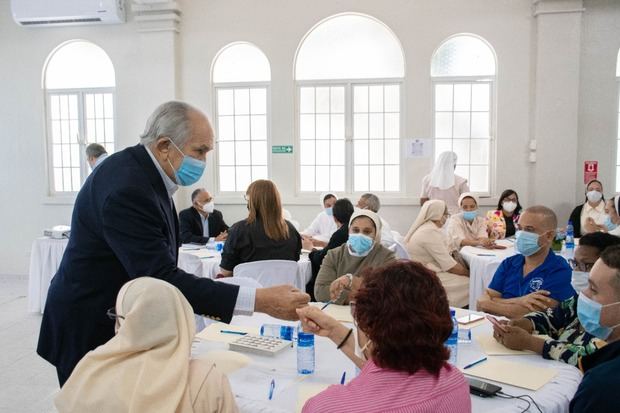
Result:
pixel 524 375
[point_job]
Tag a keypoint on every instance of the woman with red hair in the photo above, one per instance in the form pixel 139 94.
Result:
pixel 402 320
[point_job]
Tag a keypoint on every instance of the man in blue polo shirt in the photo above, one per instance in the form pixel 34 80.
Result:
pixel 536 278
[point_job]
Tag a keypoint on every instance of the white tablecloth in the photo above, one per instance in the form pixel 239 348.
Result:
pixel 553 397
pixel 45 258
pixel 206 263
pixel 482 265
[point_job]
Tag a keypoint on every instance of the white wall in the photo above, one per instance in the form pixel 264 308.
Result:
pixel 179 65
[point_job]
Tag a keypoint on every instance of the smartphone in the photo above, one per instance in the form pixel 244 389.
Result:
pixel 470 318
pixel 482 388
pixel 495 322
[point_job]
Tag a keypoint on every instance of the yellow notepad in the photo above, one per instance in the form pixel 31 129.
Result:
pixel 307 391
pixel 214 332
pixel 517 374
pixel 493 348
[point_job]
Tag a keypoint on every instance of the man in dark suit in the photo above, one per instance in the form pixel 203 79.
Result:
pixel 124 226
pixel 202 221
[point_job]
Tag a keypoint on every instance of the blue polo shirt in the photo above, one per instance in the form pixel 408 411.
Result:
pixel 553 275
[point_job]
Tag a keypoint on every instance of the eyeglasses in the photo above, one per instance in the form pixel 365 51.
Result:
pixel 580 266
pixel 111 313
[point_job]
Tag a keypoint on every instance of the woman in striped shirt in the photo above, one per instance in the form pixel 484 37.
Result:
pixel 402 320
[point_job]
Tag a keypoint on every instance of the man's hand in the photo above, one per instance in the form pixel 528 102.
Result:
pixel 319 243
pixel 222 236
pixel 536 301
pixel 280 301
pixel 523 323
pixel 514 338
pixel 306 243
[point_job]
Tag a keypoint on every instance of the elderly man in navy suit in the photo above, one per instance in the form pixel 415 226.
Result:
pixel 124 226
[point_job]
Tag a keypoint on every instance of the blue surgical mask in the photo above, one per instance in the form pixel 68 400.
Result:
pixel 359 244
pixel 470 215
pixel 589 313
pixel 526 243
pixel 609 224
pixel 329 211
pixel 190 171
pixel 579 280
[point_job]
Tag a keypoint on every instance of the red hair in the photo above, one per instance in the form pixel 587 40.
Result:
pixel 403 309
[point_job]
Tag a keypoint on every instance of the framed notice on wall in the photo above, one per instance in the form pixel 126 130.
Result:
pixel 590 171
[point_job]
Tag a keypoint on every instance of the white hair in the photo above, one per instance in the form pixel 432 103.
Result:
pixel 170 119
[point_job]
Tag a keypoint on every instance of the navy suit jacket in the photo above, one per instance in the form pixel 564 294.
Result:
pixel 124 226
pixel 190 223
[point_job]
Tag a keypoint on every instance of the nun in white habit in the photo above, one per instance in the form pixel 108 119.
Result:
pixel 442 183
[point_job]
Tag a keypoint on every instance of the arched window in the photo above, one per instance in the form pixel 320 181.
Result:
pixel 241 76
pixel 79 83
pixel 349 71
pixel 618 136
pixel 463 72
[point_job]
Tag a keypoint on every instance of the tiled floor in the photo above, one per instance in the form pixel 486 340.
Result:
pixel 27 382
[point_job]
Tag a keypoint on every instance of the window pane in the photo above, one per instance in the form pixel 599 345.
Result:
pixel 322 126
pixel 392 126
pixel 463 170
pixel 360 153
pixel 337 152
pixel 337 178
pixel 227 178
pixel 480 125
pixel 392 178
pixel 242 101
pixel 58 180
pixel 392 152
pixel 322 153
pixel 337 100
pixel 443 124
pixel 322 178
pixel 376 151
pixel 392 98
pixel 258 101
pixel 375 98
pixel 461 148
pixel 442 145
pixel 376 178
pixel 259 153
pixel 307 178
pixel 244 177
pixel 225 102
pixel 306 126
pixel 306 152
pixel 463 55
pixel 360 127
pixel 479 178
pixel 443 97
pixel 78 65
pixel 360 95
pixel 337 126
pixel 462 97
pixel 480 97
pixel 376 126
pixel 226 152
pixel 461 125
pixel 306 100
pixel 242 153
pixel 241 62
pixel 226 128
pixel 360 178
pixel 242 127
pixel 480 151
pixel 108 105
pixel 322 100
pixel 259 172
pixel 259 127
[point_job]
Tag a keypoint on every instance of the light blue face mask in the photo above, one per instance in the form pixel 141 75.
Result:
pixel 190 171
pixel 526 243
pixel 609 224
pixel 579 280
pixel 589 314
pixel 470 215
pixel 329 211
pixel 359 244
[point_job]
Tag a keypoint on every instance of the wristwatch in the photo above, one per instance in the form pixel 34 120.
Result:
pixel 350 277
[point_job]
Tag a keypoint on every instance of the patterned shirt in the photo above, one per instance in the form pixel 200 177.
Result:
pixel 569 341
pixel 383 390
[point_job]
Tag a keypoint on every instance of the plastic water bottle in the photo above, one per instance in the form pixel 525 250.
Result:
pixel 453 341
pixel 569 241
pixel 277 330
pixel 305 353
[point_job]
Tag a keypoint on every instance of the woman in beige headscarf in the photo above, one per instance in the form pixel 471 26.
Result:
pixel 363 249
pixel 427 244
pixel 468 227
pixel 146 366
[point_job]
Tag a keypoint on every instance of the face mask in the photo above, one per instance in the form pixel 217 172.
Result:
pixel 526 243
pixel 609 224
pixel 579 280
pixel 589 313
pixel 359 244
pixel 359 351
pixel 509 206
pixel 594 196
pixel 329 211
pixel 190 171
pixel 470 215
pixel 208 207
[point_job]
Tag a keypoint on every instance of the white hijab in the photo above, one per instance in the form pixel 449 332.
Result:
pixel 373 217
pixel 442 175
pixel 432 210
pixel 145 366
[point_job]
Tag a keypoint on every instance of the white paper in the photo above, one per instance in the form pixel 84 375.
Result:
pixel 418 148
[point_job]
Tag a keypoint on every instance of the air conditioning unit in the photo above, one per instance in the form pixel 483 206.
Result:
pixel 40 13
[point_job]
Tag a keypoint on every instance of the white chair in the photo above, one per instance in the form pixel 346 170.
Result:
pixel 270 272
pixel 399 250
pixel 240 281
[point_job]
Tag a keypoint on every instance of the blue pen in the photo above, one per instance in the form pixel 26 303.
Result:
pixel 272 386
pixel 326 304
pixel 344 375
pixel 474 363
pixel 241 333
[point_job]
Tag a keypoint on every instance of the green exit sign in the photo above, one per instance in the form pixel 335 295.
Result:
pixel 282 149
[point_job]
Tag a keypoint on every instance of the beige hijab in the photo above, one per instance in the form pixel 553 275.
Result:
pixel 432 210
pixel 145 366
pixel 375 219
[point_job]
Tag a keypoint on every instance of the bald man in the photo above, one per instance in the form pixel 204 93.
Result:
pixel 536 278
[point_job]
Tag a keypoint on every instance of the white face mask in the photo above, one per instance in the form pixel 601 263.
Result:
pixel 594 196
pixel 509 206
pixel 209 207
pixel 579 280
pixel 359 351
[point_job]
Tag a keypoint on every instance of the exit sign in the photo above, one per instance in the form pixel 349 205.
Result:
pixel 282 149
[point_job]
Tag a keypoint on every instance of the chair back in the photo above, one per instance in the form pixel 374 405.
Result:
pixel 270 272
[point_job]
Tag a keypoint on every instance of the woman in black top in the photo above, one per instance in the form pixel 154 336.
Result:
pixel 342 211
pixel 264 234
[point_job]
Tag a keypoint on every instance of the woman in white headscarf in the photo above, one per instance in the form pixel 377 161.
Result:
pixel 146 366
pixel 442 183
pixel 362 249
pixel 426 243
pixel 468 227
pixel 323 226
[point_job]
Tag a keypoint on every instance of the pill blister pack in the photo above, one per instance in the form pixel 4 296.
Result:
pixel 265 346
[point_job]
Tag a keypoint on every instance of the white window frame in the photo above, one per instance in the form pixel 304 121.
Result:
pixel 241 85
pixel 491 80
pixel 618 131
pixel 84 167
pixel 348 85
